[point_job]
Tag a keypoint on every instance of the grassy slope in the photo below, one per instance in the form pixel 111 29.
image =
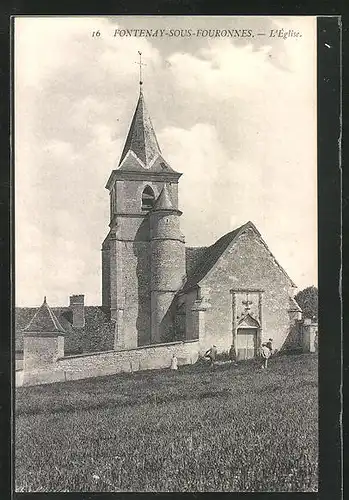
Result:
pixel 236 428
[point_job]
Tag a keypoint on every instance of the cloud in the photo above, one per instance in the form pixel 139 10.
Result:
pixel 237 119
pixel 196 153
pixel 222 70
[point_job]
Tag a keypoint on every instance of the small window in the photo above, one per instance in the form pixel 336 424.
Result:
pixel 148 198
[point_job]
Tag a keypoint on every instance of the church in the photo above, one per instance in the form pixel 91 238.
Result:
pixel 155 289
pixel 232 293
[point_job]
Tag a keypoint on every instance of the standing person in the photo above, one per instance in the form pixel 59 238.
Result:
pixel 174 363
pixel 266 352
pixel 211 354
pixel 232 355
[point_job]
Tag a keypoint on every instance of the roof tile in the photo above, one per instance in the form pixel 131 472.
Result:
pixel 141 138
pixel 164 200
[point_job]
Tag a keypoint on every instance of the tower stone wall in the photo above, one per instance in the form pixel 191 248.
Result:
pixel 167 265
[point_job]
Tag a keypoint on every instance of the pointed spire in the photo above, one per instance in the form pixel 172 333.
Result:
pixel 141 138
pixel 44 321
pixel 164 200
pixel 141 150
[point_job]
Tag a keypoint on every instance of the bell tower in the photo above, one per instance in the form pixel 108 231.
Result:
pixel 134 188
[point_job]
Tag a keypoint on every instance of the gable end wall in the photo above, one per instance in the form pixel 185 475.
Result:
pixel 246 264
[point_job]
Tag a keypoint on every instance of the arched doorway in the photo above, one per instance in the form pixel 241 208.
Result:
pixel 247 336
pixel 246 343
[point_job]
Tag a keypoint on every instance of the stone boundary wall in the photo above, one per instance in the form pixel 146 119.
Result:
pixel 80 366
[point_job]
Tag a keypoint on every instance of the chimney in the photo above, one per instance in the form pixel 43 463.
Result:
pixel 76 305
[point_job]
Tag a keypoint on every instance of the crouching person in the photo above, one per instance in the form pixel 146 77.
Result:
pixel 211 355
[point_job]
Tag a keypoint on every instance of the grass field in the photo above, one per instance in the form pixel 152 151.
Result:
pixel 235 428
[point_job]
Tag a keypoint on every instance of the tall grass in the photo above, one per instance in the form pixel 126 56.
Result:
pixel 235 428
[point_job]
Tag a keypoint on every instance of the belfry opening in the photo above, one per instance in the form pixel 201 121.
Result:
pixel 148 198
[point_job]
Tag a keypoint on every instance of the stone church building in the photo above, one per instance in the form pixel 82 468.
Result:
pixel 155 290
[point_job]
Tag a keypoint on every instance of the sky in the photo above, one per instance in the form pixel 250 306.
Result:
pixel 237 116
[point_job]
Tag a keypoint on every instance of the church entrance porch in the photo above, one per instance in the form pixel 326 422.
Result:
pixel 246 343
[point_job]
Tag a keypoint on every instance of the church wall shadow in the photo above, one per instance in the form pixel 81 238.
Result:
pixel 293 340
pixel 142 252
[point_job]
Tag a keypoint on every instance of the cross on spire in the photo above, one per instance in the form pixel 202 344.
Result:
pixel 140 68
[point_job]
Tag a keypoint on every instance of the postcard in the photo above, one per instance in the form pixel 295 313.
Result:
pixel 166 254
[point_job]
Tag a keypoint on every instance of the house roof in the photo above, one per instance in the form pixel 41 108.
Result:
pixel 193 256
pixel 44 320
pixel 210 256
pixel 96 335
